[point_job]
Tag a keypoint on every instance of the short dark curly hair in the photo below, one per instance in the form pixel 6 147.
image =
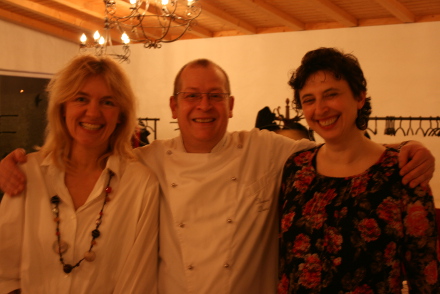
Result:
pixel 342 65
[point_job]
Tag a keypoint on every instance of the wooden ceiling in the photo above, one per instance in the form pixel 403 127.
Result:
pixel 68 19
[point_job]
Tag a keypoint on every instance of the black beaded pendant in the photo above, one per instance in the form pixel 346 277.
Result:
pixel 61 247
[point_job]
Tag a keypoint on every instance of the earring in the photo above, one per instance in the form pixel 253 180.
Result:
pixel 362 119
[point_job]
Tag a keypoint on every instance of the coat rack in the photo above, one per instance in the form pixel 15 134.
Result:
pixel 427 126
pixel 143 131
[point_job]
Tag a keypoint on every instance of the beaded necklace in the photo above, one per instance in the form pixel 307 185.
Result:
pixel 61 247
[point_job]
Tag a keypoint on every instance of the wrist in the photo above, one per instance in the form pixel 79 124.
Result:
pixel 402 144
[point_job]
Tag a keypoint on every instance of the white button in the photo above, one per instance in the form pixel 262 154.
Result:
pixel 233 178
pixel 226 265
pixel 190 267
pixel 174 185
pixel 229 220
pixel 181 225
pixel 169 152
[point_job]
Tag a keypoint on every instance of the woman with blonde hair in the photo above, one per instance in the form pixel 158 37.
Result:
pixel 88 220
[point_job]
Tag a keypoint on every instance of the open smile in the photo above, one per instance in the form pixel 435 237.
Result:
pixel 203 120
pixel 91 127
pixel 328 122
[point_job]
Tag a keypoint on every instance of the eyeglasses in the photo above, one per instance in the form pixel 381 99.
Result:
pixel 197 97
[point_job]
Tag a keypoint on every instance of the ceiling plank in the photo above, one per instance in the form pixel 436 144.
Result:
pixel 276 14
pixel 214 12
pixel 335 12
pixel 195 29
pixel 398 10
pixel 37 25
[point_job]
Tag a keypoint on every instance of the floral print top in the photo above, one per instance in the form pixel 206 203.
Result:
pixel 361 234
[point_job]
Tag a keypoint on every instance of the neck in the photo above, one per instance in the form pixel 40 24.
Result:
pixel 83 159
pixel 348 157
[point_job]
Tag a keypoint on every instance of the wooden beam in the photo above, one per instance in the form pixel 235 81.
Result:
pixel 398 10
pixel 335 12
pixel 39 26
pixel 276 14
pixel 218 14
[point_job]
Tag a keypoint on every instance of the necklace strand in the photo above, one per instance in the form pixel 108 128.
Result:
pixel 61 246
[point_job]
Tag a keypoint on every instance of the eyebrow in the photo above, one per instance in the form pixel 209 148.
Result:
pixel 87 94
pixel 197 89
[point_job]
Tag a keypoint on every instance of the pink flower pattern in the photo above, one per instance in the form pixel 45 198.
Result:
pixel 355 235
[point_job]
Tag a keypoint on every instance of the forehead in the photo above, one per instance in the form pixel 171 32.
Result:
pixel 202 78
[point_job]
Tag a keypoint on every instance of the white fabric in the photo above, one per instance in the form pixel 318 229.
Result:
pixel 126 251
pixel 218 217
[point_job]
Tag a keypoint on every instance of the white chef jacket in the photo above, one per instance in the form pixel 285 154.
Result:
pixel 126 251
pixel 218 214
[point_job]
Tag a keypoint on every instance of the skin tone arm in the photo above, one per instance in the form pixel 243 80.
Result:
pixel 416 162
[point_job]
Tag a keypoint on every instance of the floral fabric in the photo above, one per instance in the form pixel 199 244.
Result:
pixel 359 235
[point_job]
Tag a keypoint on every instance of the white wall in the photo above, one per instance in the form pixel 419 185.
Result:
pixel 401 63
pixel 26 52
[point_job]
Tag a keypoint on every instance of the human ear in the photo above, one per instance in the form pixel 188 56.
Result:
pixel 173 106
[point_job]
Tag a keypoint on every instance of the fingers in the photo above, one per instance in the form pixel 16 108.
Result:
pixel 19 155
pixel 418 174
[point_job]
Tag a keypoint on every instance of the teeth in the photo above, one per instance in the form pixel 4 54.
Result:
pixel 204 120
pixel 91 127
pixel 328 121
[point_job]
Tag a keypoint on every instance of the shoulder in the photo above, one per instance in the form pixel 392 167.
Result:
pixel 267 140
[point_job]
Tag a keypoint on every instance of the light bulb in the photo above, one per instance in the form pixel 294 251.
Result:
pixel 125 39
pixel 83 39
pixel 101 41
pixel 133 2
pixel 96 36
pixel 164 2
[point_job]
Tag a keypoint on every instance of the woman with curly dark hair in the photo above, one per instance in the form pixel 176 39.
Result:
pixel 348 224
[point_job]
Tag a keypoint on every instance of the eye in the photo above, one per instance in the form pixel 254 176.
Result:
pixel 108 102
pixel 307 100
pixel 216 96
pixel 192 95
pixel 80 99
pixel 331 94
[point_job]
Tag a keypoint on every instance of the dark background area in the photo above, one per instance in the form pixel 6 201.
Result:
pixel 23 103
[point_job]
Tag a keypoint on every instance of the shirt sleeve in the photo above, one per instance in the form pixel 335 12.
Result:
pixel 139 273
pixel 421 241
pixel 11 240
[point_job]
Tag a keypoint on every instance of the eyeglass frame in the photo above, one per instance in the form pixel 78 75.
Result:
pixel 208 95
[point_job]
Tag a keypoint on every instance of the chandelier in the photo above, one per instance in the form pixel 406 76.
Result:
pixel 151 22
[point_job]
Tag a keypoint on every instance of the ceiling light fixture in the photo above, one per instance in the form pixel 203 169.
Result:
pixel 151 22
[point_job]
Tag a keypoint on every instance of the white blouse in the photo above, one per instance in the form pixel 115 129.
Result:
pixel 126 251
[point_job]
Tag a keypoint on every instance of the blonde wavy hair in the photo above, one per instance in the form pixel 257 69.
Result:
pixel 66 84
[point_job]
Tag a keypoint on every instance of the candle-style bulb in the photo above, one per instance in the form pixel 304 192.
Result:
pixel 96 36
pixel 125 39
pixel 83 39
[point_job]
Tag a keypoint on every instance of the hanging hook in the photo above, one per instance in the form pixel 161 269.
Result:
pixel 420 127
pixel 410 127
pixel 375 127
pixel 400 128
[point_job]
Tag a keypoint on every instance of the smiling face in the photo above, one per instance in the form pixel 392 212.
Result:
pixel 92 115
pixel 202 123
pixel 329 106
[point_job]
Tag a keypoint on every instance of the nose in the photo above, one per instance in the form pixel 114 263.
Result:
pixel 93 109
pixel 321 106
pixel 204 103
